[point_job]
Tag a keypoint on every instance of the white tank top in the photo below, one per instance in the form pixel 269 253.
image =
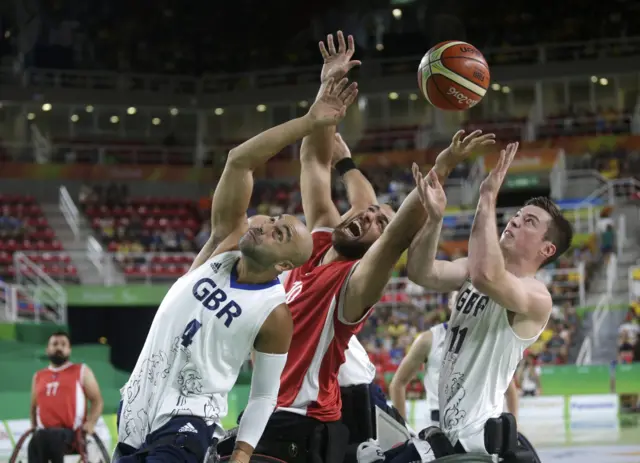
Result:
pixel 357 367
pixel 434 363
pixel 481 355
pixel 201 335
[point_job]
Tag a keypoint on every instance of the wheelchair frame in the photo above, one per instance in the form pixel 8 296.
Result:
pixel 78 446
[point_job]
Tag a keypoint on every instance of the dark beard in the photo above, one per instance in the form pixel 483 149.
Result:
pixel 352 250
pixel 58 359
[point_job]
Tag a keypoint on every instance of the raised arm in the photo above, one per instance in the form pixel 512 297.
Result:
pixel 269 359
pixel 360 192
pixel 369 279
pixel 317 148
pixel 422 266
pixel 486 263
pixel 408 369
pixel 233 192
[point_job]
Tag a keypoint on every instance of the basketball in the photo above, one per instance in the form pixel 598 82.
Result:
pixel 453 76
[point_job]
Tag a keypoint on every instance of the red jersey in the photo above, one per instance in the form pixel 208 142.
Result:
pixel 309 382
pixel 60 398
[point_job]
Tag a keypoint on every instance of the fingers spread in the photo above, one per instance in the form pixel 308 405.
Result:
pixel 342 46
pixel 323 51
pixel 472 135
pixel 332 46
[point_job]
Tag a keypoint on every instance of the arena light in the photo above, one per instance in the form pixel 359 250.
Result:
pixel 114 119
pixel 75 118
pixel 604 81
pixel 131 111
pixel 397 13
pixel 7 34
pixel 362 103
pixel 413 96
pixel 506 89
pixel 594 79
pixel 219 111
pixel 303 103
pixel 174 111
pixel 495 87
pixel 379 47
pixel 261 108
pixel 393 96
pixel 156 121
pixel 31 116
pixel 46 107
pixel 89 108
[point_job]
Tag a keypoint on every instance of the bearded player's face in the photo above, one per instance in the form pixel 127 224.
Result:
pixel 355 235
pixel 58 349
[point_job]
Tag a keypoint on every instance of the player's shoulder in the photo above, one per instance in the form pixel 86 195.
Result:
pixel 536 286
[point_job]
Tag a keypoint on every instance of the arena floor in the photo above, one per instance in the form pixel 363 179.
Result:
pixel 592 441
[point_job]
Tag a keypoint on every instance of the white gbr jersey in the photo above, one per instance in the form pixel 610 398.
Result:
pixel 480 358
pixel 201 335
pixel 434 362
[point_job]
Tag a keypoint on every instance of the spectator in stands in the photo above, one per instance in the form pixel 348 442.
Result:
pixel 625 348
pixel 57 408
pixel 630 327
pixel 607 243
pixel 10 225
pixel 171 240
pixel 528 376
pixel 86 195
pixel 203 234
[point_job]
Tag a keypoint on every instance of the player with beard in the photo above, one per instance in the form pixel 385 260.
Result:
pixel 331 295
pixel 59 396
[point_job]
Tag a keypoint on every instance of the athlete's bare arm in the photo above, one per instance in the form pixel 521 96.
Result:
pixel 408 369
pixel 33 409
pixel 370 277
pixel 360 192
pixel 512 398
pixel 92 391
pixel 487 270
pixel 317 148
pixel 233 192
pixel 422 266
pixel 269 358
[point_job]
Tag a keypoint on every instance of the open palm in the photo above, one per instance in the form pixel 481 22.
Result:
pixel 431 193
pixel 337 63
pixel 493 182
pixel 332 103
pixel 462 148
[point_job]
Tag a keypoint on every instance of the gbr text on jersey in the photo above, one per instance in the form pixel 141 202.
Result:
pixel 212 297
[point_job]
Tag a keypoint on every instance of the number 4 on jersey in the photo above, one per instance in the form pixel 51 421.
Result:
pixel 190 331
pixel 457 339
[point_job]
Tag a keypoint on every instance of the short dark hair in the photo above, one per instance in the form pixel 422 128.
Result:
pixel 560 231
pixel 60 333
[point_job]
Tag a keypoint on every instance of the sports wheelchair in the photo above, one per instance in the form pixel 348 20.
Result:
pixel 88 448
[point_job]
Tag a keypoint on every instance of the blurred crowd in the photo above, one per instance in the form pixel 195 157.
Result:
pixel 629 334
pixel 230 37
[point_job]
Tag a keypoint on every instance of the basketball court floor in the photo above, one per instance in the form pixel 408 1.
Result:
pixel 605 440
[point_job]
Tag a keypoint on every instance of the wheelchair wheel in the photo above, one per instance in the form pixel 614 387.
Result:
pixel 524 442
pixel 95 450
pixel 91 450
pixel 466 458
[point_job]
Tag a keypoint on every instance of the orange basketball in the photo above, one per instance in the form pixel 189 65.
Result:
pixel 453 76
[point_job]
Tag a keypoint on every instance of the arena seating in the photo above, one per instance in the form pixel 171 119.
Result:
pixel 24 228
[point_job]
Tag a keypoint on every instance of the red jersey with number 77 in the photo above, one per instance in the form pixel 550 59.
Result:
pixel 60 397
pixel 309 383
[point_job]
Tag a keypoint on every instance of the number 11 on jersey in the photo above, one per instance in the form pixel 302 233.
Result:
pixel 457 339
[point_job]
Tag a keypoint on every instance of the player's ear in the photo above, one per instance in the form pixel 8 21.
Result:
pixel 284 266
pixel 548 249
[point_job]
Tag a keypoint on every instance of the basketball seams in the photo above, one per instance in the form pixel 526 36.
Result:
pixel 461 80
pixel 444 95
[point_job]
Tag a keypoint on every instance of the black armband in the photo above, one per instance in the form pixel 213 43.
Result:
pixel 345 165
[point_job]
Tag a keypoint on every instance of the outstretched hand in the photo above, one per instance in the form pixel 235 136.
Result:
pixel 491 185
pixel 430 192
pixel 462 148
pixel 332 103
pixel 337 63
